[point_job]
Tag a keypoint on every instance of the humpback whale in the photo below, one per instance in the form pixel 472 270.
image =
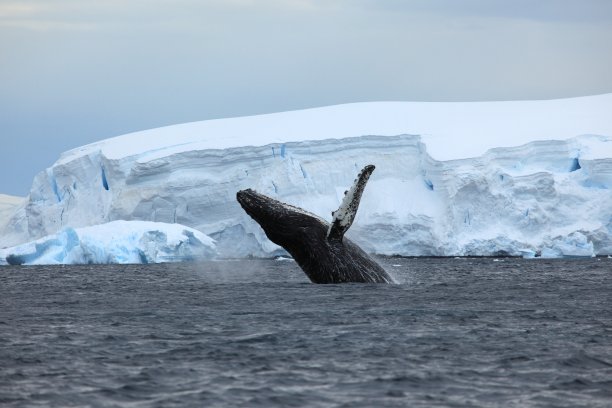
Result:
pixel 319 247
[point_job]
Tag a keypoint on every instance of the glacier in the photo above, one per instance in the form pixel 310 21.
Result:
pixel 114 242
pixel 521 178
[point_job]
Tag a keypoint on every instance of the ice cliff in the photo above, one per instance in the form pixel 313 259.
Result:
pixel 519 178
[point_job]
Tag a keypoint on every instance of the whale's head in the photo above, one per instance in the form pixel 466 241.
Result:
pixel 285 225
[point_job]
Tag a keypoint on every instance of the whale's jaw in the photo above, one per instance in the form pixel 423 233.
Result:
pixel 284 224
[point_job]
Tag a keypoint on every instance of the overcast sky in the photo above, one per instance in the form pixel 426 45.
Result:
pixel 76 71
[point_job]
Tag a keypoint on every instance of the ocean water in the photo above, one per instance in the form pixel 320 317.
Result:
pixel 256 333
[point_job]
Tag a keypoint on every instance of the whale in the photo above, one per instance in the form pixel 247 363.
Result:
pixel 319 247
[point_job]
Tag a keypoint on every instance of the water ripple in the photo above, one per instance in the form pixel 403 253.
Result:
pixel 255 333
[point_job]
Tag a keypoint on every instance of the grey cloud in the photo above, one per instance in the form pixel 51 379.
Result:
pixel 538 10
pixel 83 70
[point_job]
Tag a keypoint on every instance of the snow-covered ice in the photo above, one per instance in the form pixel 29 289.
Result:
pixel 8 206
pixel 114 242
pixel 526 178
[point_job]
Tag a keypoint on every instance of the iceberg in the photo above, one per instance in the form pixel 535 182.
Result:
pixel 135 242
pixel 523 178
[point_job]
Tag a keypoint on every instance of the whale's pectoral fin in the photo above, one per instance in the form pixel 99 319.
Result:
pixel 344 216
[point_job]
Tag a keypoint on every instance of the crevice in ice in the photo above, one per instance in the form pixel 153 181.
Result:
pixel 275 187
pixel 575 165
pixel 55 189
pixel 466 219
pixel 282 152
pixel 104 180
pixel 143 257
pixel 429 184
pixel 304 174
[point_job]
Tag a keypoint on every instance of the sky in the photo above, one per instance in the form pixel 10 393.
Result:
pixel 76 71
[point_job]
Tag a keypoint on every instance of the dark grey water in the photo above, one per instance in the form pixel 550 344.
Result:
pixel 455 332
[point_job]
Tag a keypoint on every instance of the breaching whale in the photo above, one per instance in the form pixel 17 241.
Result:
pixel 319 248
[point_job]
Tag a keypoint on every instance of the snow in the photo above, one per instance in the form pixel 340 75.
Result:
pixel 451 130
pixel 114 242
pixel 526 178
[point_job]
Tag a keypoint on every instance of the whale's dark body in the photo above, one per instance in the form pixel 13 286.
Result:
pixel 316 245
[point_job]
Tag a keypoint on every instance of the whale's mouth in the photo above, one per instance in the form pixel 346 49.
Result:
pixel 263 208
pixel 249 198
pixel 256 205
pixel 242 196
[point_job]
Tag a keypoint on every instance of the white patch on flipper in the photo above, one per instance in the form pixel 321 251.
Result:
pixel 345 214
